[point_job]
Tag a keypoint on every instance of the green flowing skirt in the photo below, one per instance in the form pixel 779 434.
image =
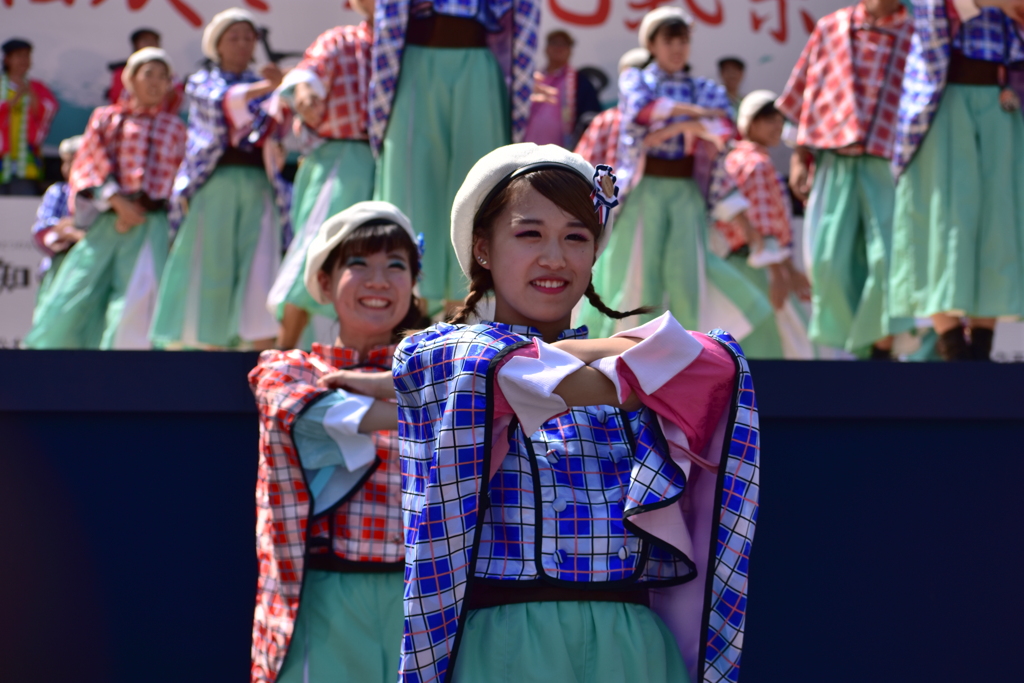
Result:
pixel 104 293
pixel 958 231
pixel 349 628
pixel 451 108
pixel 331 178
pixel 222 265
pixel 657 256
pixel 584 642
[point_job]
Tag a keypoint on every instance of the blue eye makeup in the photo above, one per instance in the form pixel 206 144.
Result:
pixel 355 261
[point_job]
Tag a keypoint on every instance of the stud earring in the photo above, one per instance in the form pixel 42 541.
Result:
pixel 483 261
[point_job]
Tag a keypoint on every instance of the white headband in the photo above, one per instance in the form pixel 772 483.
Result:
pixel 500 166
pixel 220 23
pixel 657 18
pixel 144 56
pixel 338 227
pixel 751 104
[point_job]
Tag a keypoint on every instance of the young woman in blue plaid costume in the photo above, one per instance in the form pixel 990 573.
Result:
pixel 571 505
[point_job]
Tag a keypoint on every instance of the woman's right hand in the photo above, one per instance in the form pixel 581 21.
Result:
pixel 379 385
pixel 129 213
pixel 309 106
pixel 799 176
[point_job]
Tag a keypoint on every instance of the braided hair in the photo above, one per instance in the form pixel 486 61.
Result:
pixel 571 194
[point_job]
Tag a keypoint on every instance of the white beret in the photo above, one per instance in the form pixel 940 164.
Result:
pixel 68 146
pixel 634 59
pixel 656 18
pixel 220 23
pixel 339 226
pixel 146 54
pixel 500 166
pixel 751 104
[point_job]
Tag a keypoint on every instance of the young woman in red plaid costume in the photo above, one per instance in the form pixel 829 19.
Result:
pixel 328 497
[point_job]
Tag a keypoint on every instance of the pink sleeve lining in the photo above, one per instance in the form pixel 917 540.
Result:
pixel 503 412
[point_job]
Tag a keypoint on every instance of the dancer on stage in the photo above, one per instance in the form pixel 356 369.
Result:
pixel 327 90
pixel 27 108
pixel 843 97
pixel 657 253
pixel 227 246
pixel 328 497
pixel 552 533
pixel 751 205
pixel 563 96
pixel 54 231
pixel 959 162
pixel 600 142
pixel 104 294
pixel 439 100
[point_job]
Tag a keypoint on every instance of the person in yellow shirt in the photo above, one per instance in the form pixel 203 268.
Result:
pixel 27 109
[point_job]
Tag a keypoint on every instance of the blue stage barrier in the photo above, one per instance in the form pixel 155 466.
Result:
pixel 888 546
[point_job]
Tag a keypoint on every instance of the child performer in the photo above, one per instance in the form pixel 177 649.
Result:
pixel 600 142
pixel 552 533
pixel 124 169
pixel 843 96
pixel 657 254
pixel 328 497
pixel 959 162
pixel 54 231
pixel 752 207
pixel 439 100
pixel 27 108
pixel 227 249
pixel 328 92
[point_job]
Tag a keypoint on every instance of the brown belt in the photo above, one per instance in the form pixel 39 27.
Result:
pixel 440 30
pixel 233 156
pixel 967 71
pixel 669 168
pixel 329 562
pixel 150 204
pixel 484 595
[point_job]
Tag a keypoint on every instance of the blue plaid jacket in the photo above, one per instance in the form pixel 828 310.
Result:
pixel 990 36
pixel 516 37
pixel 595 467
pixel 208 138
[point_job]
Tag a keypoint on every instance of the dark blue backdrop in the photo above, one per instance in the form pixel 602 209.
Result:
pixel 888 548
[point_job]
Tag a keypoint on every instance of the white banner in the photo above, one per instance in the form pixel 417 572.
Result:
pixel 19 267
pixel 76 39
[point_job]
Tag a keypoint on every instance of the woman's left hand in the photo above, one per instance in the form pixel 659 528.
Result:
pixel 272 73
pixel 379 385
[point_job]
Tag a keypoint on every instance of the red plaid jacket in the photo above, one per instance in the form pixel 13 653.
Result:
pixel 600 141
pixel 751 170
pixel 138 149
pixel 367 526
pixel 340 58
pixel 844 92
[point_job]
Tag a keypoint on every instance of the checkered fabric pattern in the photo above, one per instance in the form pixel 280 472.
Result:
pixel 596 467
pixel 844 91
pixel 391 18
pixel 928 64
pixel 750 170
pixel 600 142
pixel 991 36
pixel 53 207
pixel 640 88
pixel 367 527
pixel 741 492
pixel 340 58
pixel 140 149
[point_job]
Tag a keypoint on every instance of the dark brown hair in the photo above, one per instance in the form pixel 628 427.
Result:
pixel 571 193
pixel 374 237
pixel 673 28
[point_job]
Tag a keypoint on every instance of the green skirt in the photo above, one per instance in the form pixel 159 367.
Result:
pixel 782 335
pixel 349 628
pixel 222 265
pixel 451 108
pixel 103 295
pixel 582 642
pixel 49 276
pixel 331 178
pixel 958 231
pixel 657 256
pixel 849 231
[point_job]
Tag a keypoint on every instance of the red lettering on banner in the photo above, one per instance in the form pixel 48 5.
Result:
pixel 179 6
pixel 781 32
pixel 600 15
pixel 712 17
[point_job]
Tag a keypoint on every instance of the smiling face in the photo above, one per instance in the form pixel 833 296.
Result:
pixel 671 47
pixel 236 46
pixel 150 83
pixel 540 259
pixel 766 129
